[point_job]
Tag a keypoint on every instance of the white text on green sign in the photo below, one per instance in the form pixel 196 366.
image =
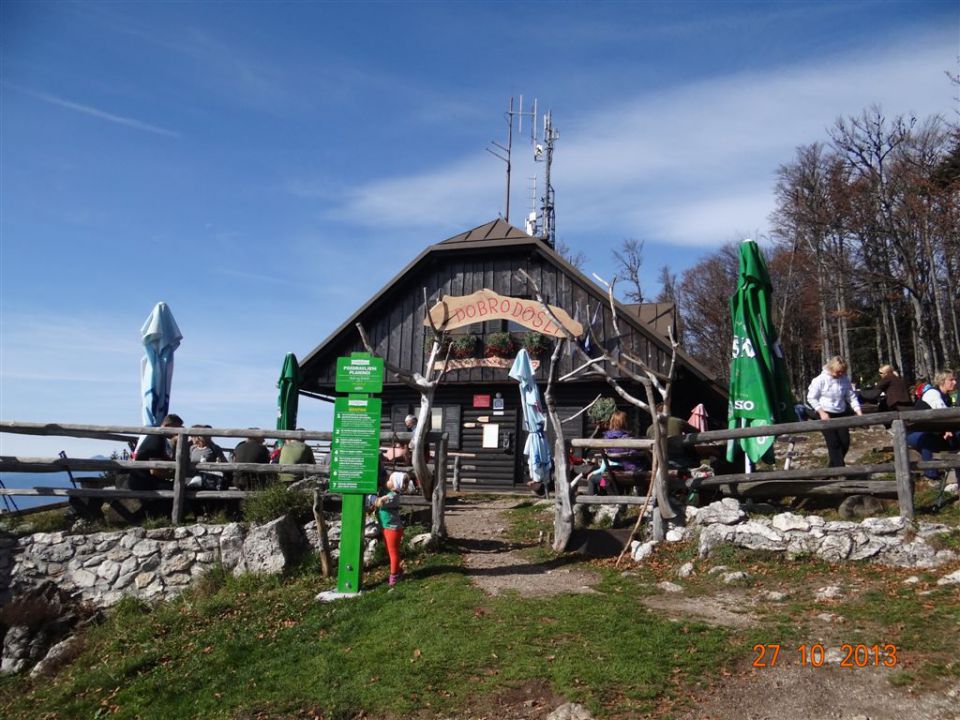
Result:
pixel 355 450
pixel 359 373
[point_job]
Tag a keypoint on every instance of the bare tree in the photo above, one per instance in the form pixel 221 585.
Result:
pixel 627 366
pixel 629 259
pixel 576 258
pixel 426 386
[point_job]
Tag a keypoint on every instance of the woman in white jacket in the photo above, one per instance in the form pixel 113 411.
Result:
pixel 831 395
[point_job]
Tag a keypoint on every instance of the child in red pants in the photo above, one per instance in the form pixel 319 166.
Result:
pixel 388 513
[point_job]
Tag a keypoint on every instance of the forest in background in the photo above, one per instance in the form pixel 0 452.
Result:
pixel 864 259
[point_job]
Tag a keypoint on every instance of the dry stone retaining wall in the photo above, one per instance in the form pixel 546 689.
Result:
pixel 886 540
pixel 100 568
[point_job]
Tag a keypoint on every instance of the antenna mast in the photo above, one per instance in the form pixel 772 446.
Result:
pixel 544 153
pixel 505 153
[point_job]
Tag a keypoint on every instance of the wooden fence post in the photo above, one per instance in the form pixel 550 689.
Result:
pixel 901 464
pixel 439 496
pixel 180 477
pixel 456 473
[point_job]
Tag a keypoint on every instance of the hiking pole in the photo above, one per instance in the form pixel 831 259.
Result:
pixel 8 500
pixel 636 527
pixel 63 456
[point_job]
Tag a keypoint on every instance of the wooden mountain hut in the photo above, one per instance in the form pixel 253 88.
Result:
pixel 476 402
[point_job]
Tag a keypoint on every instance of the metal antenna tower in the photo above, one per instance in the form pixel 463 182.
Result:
pixel 505 153
pixel 544 153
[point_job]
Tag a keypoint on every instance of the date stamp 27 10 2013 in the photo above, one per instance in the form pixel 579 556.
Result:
pixel 815 655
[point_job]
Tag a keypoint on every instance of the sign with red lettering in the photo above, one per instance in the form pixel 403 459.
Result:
pixel 456 311
pixel 481 401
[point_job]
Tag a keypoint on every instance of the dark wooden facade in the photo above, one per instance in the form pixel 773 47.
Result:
pixel 489 257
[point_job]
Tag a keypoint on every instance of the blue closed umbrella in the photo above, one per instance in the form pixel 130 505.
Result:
pixel 161 337
pixel 537 449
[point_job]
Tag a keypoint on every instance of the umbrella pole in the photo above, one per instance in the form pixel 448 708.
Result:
pixel 747 468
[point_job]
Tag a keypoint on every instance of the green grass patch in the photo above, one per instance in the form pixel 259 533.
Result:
pixel 275 501
pixel 238 645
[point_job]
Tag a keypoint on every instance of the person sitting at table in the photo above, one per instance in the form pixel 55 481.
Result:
pixel 894 394
pixel 936 397
pixel 204 449
pixel 295 452
pixel 251 450
pixel 620 458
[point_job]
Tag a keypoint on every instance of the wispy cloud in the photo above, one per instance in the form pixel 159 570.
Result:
pixel 92 111
pixel 687 165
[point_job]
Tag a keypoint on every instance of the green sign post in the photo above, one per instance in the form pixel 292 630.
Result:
pixel 355 456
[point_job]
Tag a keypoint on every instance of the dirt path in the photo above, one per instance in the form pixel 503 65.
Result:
pixel 496 565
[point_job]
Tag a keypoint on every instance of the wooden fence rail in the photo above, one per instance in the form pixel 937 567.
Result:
pixel 851 479
pixel 183 468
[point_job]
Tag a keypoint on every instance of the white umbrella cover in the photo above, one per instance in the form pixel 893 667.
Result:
pixel 537 449
pixel 161 337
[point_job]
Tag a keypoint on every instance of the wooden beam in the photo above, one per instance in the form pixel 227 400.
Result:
pixel 901 460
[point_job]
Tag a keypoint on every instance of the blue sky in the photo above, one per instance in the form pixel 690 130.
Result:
pixel 266 167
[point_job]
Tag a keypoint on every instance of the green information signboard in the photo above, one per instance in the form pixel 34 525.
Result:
pixel 359 373
pixel 355 456
pixel 355 451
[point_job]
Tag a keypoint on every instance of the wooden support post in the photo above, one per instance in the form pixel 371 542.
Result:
pixel 563 519
pixel 901 464
pixel 439 495
pixel 456 473
pixel 180 477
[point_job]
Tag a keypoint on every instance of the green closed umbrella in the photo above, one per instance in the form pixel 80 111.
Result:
pixel 759 390
pixel 288 400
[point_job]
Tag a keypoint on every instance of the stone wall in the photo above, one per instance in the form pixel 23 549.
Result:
pixel 886 540
pixel 100 568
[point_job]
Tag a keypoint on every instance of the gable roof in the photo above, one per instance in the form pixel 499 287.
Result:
pixel 499 233
pixel 498 229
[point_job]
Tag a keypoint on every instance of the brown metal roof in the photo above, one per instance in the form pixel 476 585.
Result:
pixel 498 229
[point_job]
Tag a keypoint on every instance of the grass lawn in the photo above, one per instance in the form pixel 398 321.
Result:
pixel 437 646
pixel 264 648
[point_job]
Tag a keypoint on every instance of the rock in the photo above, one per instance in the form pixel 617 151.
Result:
pixel 53 656
pixel 145 547
pixel 676 534
pixel 570 711
pixel 859 506
pixel 912 580
pixel 723 512
pixel 758 535
pixel 606 515
pixel 641 551
pixel 271 548
pixel 16 649
pixel 83 578
pixel 717 569
pixel 830 592
pixel 951 579
pixel 370 552
pixel 788 522
pixel 231 547
pixel 669 587
pixel 685 570
pixel 108 570
pixel 835 548
pixel 774 595
pixel 423 541
pixel 884 526
pixel 732 577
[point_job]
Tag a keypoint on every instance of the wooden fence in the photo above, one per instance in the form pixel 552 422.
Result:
pixel 183 468
pixel 851 479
